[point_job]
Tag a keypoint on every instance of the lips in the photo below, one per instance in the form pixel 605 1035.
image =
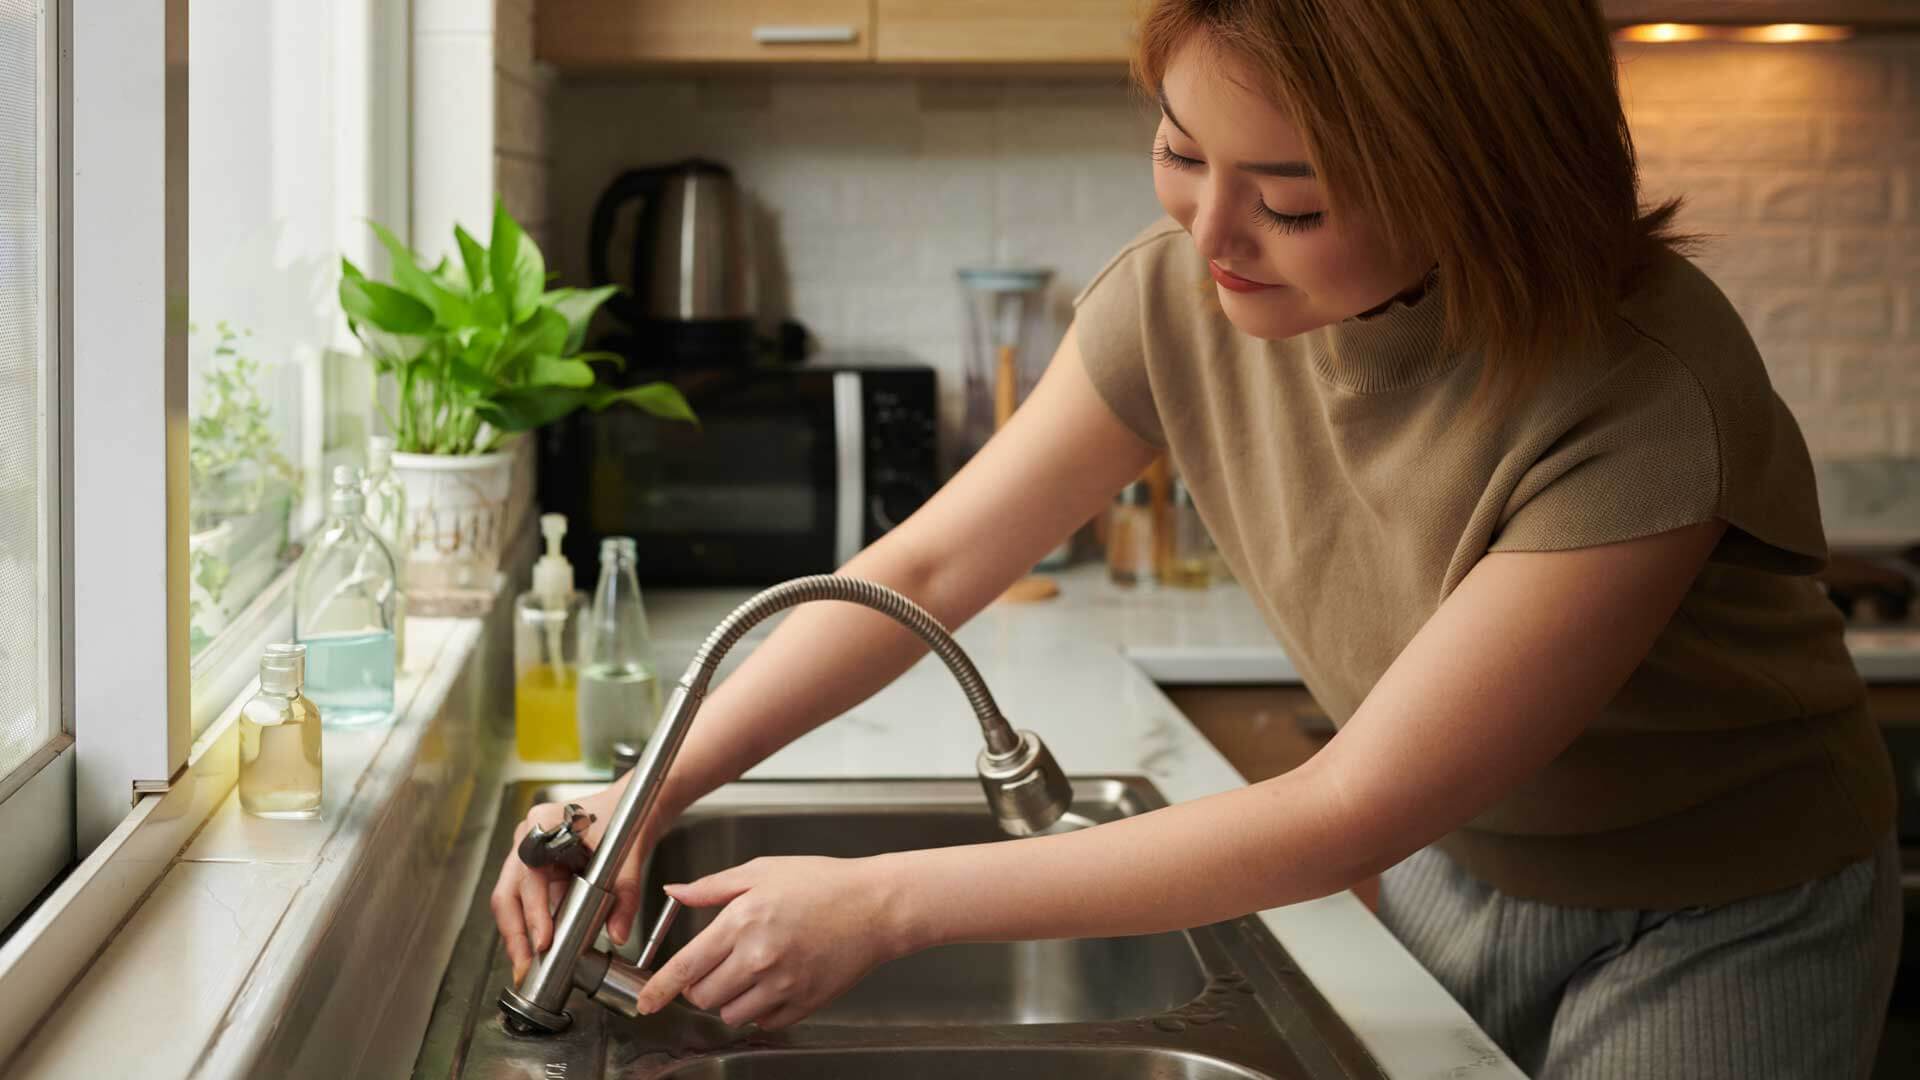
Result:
pixel 1227 279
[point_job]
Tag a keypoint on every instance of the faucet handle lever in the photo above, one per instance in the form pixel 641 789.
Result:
pixel 563 844
pixel 658 935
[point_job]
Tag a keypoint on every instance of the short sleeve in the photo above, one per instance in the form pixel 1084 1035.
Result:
pixel 1112 322
pixel 1651 449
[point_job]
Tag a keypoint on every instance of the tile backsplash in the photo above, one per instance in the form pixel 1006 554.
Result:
pixel 1802 163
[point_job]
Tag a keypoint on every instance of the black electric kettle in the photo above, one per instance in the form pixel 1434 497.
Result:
pixel 676 238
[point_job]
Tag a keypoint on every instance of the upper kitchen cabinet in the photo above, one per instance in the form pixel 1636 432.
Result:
pixel 586 34
pixel 1004 31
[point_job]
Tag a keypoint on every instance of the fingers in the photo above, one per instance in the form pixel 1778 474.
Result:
pixel 626 899
pixel 534 908
pixel 715 889
pixel 784 1016
pixel 733 978
pixel 762 1000
pixel 506 915
pixel 688 966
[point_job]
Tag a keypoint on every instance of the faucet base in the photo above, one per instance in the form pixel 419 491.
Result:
pixel 523 1017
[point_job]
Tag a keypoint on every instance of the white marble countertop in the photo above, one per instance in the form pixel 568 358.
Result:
pixel 1081 670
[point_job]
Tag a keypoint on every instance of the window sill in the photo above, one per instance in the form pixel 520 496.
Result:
pixel 227 918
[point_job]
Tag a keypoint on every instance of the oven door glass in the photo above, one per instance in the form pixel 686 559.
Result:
pixel 746 497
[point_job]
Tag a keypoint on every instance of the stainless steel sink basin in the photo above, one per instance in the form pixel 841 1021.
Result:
pixel 1033 982
pixel 961 1063
pixel 1220 1002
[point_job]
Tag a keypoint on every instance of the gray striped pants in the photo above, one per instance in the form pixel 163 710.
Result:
pixel 1792 984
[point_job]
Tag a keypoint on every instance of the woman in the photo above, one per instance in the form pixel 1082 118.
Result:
pixel 1506 477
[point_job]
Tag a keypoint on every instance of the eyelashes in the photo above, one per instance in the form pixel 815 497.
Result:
pixel 1267 217
pixel 1286 223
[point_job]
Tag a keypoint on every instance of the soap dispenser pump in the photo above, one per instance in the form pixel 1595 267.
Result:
pixel 546 652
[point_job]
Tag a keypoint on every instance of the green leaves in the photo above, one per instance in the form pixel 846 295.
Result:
pixel 381 305
pixel 482 347
pixel 519 271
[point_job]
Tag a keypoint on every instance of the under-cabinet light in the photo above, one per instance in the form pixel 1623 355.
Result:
pixel 1764 34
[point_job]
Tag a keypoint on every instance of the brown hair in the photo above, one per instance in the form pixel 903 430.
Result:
pixel 1487 133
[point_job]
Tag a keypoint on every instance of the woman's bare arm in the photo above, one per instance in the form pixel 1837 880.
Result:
pixel 1057 463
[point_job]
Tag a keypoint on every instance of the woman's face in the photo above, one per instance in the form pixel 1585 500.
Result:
pixel 1233 171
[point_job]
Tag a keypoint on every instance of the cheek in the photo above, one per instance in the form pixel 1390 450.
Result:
pixel 1177 195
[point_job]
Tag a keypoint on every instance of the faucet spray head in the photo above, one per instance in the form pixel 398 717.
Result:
pixel 1026 791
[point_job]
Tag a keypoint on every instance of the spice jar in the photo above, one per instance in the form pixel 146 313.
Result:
pixel 1131 537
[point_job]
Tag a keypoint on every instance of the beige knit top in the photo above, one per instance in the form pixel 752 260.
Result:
pixel 1350 494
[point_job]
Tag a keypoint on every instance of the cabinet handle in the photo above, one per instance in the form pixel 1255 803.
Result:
pixel 805 35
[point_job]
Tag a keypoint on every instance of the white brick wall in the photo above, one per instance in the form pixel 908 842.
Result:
pixel 1802 162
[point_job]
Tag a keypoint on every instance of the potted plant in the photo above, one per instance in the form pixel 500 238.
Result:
pixel 240 488
pixel 478 354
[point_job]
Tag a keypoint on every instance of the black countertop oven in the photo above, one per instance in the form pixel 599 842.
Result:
pixel 791 471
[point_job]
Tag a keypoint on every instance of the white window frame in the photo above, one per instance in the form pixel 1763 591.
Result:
pixel 127 782
pixel 36 798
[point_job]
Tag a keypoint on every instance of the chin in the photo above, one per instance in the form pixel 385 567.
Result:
pixel 1271 316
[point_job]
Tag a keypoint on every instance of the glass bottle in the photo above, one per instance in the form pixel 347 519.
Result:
pixel 343 607
pixel 1130 537
pixel 1190 565
pixel 546 629
pixel 619 695
pixel 387 513
pixel 280 740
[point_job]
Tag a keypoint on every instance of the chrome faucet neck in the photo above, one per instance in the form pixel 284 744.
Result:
pixel 1025 790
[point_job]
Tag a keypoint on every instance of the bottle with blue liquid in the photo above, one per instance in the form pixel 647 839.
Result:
pixel 344 607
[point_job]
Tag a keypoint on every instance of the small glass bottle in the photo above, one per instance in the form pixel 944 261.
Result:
pixel 619 695
pixel 343 607
pixel 280 740
pixel 1130 537
pixel 546 629
pixel 387 513
pixel 1191 564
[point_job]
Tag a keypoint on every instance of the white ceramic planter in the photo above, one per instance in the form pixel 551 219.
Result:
pixel 456 518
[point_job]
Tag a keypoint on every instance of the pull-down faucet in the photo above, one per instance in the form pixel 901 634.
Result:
pixel 1026 792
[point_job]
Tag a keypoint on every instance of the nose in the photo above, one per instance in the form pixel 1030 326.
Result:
pixel 1218 232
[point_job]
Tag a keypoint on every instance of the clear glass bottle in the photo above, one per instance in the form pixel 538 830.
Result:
pixel 1130 537
pixel 280 740
pixel 343 608
pixel 1190 565
pixel 546 676
pixel 619 695
pixel 387 513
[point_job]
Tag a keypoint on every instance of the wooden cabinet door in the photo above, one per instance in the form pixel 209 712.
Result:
pixel 1003 31
pixel 1262 731
pixel 589 34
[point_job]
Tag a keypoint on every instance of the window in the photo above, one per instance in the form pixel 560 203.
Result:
pixel 291 109
pixel 36 765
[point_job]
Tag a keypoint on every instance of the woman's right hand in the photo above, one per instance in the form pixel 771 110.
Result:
pixel 524 898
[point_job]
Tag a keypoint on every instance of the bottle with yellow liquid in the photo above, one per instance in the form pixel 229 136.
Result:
pixel 546 655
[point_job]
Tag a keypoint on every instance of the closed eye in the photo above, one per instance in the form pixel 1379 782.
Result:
pixel 1164 154
pixel 1287 223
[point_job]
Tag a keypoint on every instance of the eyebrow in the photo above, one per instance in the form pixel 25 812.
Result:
pixel 1286 170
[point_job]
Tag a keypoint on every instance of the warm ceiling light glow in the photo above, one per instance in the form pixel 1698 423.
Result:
pixel 1791 33
pixel 1768 34
pixel 1663 32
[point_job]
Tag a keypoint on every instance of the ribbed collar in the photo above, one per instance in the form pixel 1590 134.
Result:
pixel 1396 348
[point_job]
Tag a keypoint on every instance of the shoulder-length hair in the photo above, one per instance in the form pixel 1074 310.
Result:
pixel 1488 134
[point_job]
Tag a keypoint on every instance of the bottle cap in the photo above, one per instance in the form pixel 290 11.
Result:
pixel 347 499
pixel 619 547
pixel 379 453
pixel 283 668
pixel 552 573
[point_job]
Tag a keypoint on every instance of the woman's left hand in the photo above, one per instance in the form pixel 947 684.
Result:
pixel 796 933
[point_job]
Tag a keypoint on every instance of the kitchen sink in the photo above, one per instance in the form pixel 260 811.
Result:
pixel 962 1063
pixel 1221 1001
